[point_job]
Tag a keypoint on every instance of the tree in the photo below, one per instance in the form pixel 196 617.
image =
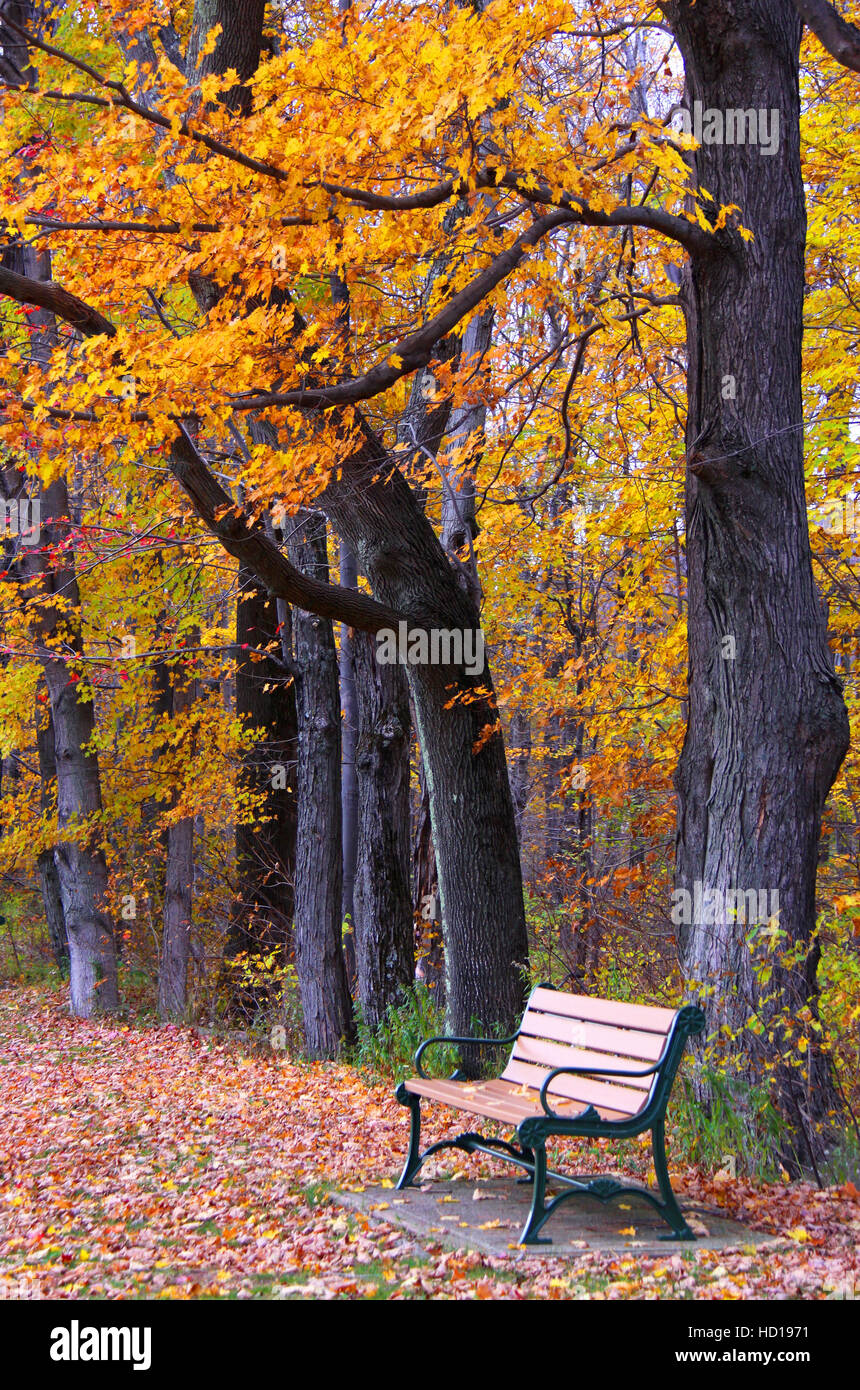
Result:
pixel 767 728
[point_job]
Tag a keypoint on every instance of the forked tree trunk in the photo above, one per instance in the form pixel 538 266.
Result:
pixel 374 511
pixel 767 726
pixel 471 810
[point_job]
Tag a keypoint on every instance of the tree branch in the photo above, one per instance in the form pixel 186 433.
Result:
pixel 841 39
pixel 688 234
pixel 416 350
pixel 248 542
pixel 47 294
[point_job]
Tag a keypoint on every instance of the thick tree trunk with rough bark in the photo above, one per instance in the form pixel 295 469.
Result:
pixel 236 46
pixel 385 954
pixel 320 966
pixel 349 773
pixel 464 759
pixel 767 727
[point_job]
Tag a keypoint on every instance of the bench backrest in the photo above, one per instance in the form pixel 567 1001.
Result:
pixel 572 1030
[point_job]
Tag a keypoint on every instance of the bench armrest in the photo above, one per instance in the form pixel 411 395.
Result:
pixel 689 1020
pixel 590 1071
pixel 473 1042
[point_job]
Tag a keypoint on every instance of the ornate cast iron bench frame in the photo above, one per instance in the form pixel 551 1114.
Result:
pixel 534 1130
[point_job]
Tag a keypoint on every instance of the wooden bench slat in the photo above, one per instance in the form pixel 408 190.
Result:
pixel 496 1100
pixel 566 1106
pixel 474 1101
pixel 644 1017
pixel 596 1037
pixel 617 1097
pixel 549 1055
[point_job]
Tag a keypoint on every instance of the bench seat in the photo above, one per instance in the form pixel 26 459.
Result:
pixel 578 1067
pixel 498 1100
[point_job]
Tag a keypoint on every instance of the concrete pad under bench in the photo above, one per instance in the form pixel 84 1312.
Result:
pixel 449 1213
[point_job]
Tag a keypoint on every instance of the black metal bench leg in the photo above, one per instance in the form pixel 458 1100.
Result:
pixel 670 1210
pixel 413 1157
pixel 538 1214
pixel 528 1155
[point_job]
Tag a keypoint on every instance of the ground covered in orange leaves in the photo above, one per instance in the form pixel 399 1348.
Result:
pixel 153 1162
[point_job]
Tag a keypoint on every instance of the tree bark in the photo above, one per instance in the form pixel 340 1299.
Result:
pixel 385 953
pixel 320 966
pixel 767 726
pixel 79 856
pixel 237 46
pixel 465 432
pixel 431 940
pixel 349 772
pixel 470 800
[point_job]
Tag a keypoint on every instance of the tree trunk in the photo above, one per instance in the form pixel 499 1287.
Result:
pixel 236 46
pixel 79 857
pixel 49 879
pixel 767 726
pixel 349 773
pixel 520 744
pixel 323 986
pixel 178 890
pixel 374 511
pixel 471 810
pixel 385 954
pixel 431 944
pixel 53 605
pixel 262 917
pixel 465 436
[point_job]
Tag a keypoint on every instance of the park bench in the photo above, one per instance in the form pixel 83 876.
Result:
pixel 578 1067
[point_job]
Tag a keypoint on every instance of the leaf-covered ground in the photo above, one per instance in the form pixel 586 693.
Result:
pixel 140 1162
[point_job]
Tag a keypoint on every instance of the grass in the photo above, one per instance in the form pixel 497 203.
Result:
pixel 388 1050
pixel 739 1122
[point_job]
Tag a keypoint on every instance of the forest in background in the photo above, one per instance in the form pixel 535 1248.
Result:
pixel 312 321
